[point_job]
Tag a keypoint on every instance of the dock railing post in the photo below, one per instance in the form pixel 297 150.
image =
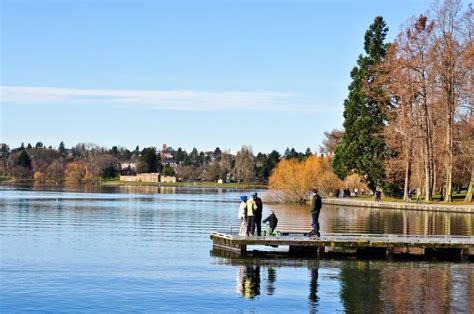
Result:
pixel 243 250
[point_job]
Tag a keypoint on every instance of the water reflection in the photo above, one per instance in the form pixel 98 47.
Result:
pixel 360 286
pixel 271 278
pixel 313 284
pixel 248 281
pixel 149 252
pixel 344 219
pixel 364 285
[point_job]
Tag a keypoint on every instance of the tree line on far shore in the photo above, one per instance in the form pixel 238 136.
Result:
pixel 89 163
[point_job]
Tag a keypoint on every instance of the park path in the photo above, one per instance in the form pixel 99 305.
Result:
pixel 454 208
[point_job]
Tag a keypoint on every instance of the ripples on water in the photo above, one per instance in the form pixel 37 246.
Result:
pixel 148 249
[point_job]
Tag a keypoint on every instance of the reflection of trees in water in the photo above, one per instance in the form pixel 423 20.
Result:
pixel 370 286
pixel 248 281
pixel 360 287
pixel 374 220
pixel 434 288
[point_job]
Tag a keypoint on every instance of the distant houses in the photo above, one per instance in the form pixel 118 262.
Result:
pixel 148 177
pixel 130 165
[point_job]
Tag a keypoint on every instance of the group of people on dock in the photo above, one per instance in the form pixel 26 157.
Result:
pixel 250 215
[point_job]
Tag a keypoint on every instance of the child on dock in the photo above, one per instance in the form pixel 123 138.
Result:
pixel 273 221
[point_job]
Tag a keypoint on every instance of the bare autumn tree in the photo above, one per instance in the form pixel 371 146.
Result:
pixel 467 145
pixel 450 74
pixel 244 164
pixel 227 163
pixel 407 79
pixel 332 139
pixel 399 133
pixel 429 79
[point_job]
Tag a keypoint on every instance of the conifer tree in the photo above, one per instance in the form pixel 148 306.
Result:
pixel 362 148
pixel 24 160
pixel 62 149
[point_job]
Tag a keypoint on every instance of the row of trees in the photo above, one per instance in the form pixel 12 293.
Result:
pixel 408 119
pixel 89 163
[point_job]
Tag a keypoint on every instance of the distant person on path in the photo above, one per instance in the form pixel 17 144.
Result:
pixel 315 208
pixel 251 208
pixel 418 197
pixel 378 195
pixel 243 215
pixel 258 213
pixel 272 220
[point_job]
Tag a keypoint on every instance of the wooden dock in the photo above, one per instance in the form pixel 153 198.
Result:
pixel 342 243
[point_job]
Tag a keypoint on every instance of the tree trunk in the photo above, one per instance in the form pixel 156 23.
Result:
pixel 449 164
pixel 469 190
pixel 406 187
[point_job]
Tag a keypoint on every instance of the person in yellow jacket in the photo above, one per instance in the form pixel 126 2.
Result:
pixel 251 207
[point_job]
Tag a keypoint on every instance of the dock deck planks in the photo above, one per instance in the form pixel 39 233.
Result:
pixel 350 243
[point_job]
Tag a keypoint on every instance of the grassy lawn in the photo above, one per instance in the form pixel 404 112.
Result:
pixel 458 199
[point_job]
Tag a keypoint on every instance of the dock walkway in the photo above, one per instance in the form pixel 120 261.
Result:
pixel 343 243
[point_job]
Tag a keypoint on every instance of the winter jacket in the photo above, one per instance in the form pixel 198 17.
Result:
pixel 251 207
pixel 316 204
pixel 272 220
pixel 259 210
pixel 242 210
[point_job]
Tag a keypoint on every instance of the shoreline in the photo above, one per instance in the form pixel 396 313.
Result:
pixel 451 208
pixel 354 202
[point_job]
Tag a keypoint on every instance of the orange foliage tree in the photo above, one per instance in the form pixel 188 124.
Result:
pixel 291 180
pixel 75 172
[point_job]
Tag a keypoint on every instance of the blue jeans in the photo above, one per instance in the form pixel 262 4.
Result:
pixel 315 223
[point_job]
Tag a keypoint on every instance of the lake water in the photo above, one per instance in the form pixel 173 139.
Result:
pixel 147 249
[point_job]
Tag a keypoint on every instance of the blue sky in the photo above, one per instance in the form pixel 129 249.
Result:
pixel 270 74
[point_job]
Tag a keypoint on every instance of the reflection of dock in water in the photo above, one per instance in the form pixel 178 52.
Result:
pixel 352 244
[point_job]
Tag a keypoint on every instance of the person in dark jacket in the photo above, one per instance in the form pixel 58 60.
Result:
pixel 258 214
pixel 315 209
pixel 272 220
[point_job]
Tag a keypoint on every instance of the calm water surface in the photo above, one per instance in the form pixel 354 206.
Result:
pixel 146 249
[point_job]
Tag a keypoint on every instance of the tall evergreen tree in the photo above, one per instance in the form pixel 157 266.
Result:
pixel 148 161
pixel 362 148
pixel 24 160
pixel 62 149
pixel 179 155
pixel 217 153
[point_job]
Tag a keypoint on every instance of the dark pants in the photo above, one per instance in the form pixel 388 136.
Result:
pixel 315 222
pixel 258 224
pixel 250 225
